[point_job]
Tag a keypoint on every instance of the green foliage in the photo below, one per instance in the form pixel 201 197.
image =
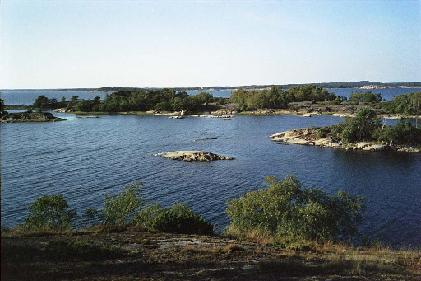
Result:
pixel 278 98
pixel 368 97
pixel 361 127
pixel 287 211
pixel 176 219
pixel 88 105
pixel 49 213
pixel 143 100
pixel 121 208
pixel 403 133
pixel 42 102
pixel 409 104
pixel 2 111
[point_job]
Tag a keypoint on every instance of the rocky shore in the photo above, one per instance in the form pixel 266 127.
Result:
pixel 310 137
pixel 29 116
pixel 137 255
pixel 190 156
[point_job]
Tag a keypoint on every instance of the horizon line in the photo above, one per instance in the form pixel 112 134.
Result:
pixel 209 87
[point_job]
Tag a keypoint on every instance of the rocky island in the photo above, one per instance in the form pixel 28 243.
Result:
pixel 28 116
pixel 189 156
pixel 310 136
pixel 363 132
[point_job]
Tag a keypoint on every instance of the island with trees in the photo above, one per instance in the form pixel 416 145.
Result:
pixel 25 116
pixel 362 132
pixel 308 100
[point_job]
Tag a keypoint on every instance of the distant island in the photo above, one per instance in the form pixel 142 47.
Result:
pixel 357 84
pixel 301 100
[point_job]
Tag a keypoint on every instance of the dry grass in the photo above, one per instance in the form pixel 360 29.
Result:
pixel 139 255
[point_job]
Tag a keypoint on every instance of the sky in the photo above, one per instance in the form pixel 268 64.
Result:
pixel 64 44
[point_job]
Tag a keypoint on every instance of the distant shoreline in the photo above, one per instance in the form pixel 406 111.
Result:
pixel 320 84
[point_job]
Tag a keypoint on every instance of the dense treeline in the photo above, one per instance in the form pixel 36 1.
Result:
pixel 368 97
pixel 409 104
pixel 161 100
pixel 367 126
pixel 276 97
pixel 273 98
pixel 141 100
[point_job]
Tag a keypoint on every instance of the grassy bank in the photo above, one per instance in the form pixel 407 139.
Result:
pixel 133 254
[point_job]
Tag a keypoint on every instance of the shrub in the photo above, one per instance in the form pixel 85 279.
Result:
pixel 176 219
pixel 365 97
pixel 287 212
pixel 403 133
pixel 121 208
pixel 361 127
pixel 49 213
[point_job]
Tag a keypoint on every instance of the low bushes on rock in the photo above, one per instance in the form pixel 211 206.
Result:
pixel 176 219
pixel 285 211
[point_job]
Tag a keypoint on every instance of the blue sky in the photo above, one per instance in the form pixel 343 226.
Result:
pixel 51 44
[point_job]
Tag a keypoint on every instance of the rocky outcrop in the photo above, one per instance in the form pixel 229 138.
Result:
pixel 189 156
pixel 310 137
pixel 29 116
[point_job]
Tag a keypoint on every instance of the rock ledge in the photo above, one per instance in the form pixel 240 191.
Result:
pixel 189 156
pixel 309 137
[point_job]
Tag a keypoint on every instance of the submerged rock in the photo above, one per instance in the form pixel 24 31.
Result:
pixel 189 156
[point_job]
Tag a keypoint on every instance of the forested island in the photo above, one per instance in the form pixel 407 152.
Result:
pixel 281 230
pixel 302 100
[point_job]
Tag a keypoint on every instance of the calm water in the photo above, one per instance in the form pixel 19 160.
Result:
pixel 28 97
pixel 84 159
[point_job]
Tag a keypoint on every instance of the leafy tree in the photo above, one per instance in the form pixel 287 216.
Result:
pixel 285 210
pixel 404 104
pixel 121 208
pixel 368 97
pixel 276 97
pixel 403 133
pixel 2 111
pixel 360 128
pixel 49 212
pixel 176 219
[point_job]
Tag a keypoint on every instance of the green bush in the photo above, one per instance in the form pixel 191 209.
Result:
pixel 121 208
pixel 368 97
pixel 286 211
pixel 404 104
pixel 361 127
pixel 403 133
pixel 176 219
pixel 49 213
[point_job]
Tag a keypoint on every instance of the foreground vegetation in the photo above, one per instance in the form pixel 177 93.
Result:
pixel 281 232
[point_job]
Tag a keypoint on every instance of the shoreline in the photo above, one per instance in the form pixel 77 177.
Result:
pixel 268 112
pixel 309 136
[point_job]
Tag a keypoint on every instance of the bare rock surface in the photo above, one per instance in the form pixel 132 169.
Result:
pixel 189 156
pixel 310 137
